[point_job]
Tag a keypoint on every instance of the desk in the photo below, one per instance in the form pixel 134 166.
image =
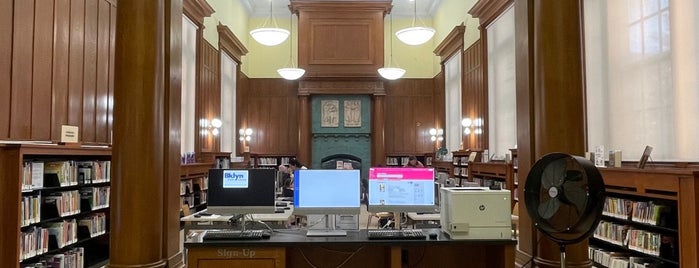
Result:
pixel 415 217
pixel 291 248
pixel 220 221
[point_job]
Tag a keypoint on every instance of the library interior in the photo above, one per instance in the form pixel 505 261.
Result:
pixel 349 133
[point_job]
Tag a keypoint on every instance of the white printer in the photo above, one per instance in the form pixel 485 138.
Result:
pixel 475 213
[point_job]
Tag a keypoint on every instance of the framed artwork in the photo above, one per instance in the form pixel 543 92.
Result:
pixel 330 113
pixel 353 113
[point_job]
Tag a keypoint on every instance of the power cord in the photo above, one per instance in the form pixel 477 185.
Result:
pixel 351 254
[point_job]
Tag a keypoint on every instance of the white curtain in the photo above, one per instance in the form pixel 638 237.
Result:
pixel 642 64
pixel 452 94
pixel 228 108
pixel 502 129
pixel 189 59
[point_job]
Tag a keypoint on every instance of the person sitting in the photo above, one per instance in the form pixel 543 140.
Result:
pixel 295 165
pixel 413 162
pixel 288 190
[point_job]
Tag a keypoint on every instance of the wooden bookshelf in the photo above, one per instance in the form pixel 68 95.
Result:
pixel 489 173
pixel 676 187
pixel 89 177
pixel 194 181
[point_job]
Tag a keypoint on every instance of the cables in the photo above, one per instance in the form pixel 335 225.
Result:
pixel 347 259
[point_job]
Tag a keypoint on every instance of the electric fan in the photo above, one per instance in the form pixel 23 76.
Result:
pixel 564 196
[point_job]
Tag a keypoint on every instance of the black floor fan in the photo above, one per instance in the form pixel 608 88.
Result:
pixel 564 196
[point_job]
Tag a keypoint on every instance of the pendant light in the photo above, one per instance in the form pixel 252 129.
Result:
pixel 415 35
pixel 292 72
pixel 388 72
pixel 269 36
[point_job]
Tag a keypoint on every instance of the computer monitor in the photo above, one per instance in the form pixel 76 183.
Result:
pixel 241 191
pixel 401 190
pixel 326 191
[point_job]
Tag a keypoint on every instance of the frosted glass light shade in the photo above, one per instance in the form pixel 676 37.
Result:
pixel 291 73
pixel 269 36
pixel 415 35
pixel 391 73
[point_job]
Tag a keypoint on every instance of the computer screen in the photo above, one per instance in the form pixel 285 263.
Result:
pixel 326 191
pixel 401 190
pixel 240 191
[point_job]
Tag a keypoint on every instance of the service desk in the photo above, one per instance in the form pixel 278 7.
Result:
pixel 291 248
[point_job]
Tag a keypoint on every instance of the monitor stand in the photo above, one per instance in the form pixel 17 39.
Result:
pixel 329 229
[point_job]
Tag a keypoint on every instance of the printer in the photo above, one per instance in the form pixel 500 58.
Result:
pixel 475 213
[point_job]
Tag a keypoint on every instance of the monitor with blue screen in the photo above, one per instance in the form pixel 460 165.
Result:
pixel 326 191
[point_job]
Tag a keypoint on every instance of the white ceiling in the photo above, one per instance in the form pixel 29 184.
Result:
pixel 401 8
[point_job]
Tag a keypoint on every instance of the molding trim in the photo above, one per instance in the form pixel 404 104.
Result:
pixel 340 135
pixel 228 42
pixel 488 10
pixel 197 10
pixel 315 5
pixel 341 87
pixel 452 43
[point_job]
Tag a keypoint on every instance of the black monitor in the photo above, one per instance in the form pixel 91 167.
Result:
pixel 241 191
pixel 401 190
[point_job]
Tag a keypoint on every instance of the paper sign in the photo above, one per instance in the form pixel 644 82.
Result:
pixel 69 134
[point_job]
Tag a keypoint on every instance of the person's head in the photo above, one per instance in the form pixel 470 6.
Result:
pixel 283 169
pixel 293 163
pixel 412 160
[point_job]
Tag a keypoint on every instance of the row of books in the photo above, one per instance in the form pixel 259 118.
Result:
pixel 38 174
pixel 32 242
pixel 73 258
pixel 96 224
pixel 186 187
pixel 66 203
pixel 461 171
pixel 30 209
pixel 647 242
pixel 490 182
pixel 460 161
pixel 94 198
pixel 614 259
pixel 272 161
pixel 639 211
pixel 394 161
pixel 65 232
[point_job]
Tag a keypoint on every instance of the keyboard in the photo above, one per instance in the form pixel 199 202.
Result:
pixel 233 235
pixel 406 234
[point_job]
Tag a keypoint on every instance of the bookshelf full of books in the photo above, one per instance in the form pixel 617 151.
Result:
pixel 194 185
pixel 649 219
pixel 494 174
pixel 58 196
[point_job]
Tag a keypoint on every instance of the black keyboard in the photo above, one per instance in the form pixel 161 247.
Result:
pixel 233 235
pixel 406 234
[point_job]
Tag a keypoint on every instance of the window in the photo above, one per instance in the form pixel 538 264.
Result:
pixel 452 94
pixel 228 108
pixel 189 63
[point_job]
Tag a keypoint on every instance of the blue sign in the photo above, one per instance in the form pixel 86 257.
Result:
pixel 235 179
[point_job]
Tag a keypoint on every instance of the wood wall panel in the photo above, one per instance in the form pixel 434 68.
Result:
pixel 474 93
pixel 208 96
pixel 110 94
pixel 439 100
pixel 21 96
pixel 270 107
pixel 55 68
pixel 102 83
pixel 41 70
pixel 61 31
pixel 90 72
pixel 75 63
pixel 410 113
pixel 6 19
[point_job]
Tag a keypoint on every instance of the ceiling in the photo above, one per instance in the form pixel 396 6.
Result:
pixel 401 8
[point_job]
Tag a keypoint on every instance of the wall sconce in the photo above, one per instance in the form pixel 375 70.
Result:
pixel 212 126
pixel 245 134
pixel 437 134
pixel 472 126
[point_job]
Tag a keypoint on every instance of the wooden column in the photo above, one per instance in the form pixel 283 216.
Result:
pixel 550 103
pixel 378 155
pixel 139 130
pixel 172 138
pixel 304 152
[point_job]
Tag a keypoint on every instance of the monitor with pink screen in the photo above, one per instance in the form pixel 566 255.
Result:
pixel 401 189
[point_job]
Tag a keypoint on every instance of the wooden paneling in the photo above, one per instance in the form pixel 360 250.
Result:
pixel 21 96
pixel 228 42
pixel 6 19
pixel 208 97
pixel 410 106
pixel 61 46
pixel 474 96
pixel 110 95
pixel 55 68
pixel 340 38
pixel 270 108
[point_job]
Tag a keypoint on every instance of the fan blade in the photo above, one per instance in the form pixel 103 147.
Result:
pixel 554 174
pixel 574 175
pixel 573 191
pixel 548 208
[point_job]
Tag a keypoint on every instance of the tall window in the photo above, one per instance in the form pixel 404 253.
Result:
pixel 189 63
pixel 228 90
pixel 452 94
pixel 642 62
pixel 502 129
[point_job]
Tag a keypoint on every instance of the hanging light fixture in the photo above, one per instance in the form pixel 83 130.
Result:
pixel 388 72
pixel 291 73
pixel 269 36
pixel 415 35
